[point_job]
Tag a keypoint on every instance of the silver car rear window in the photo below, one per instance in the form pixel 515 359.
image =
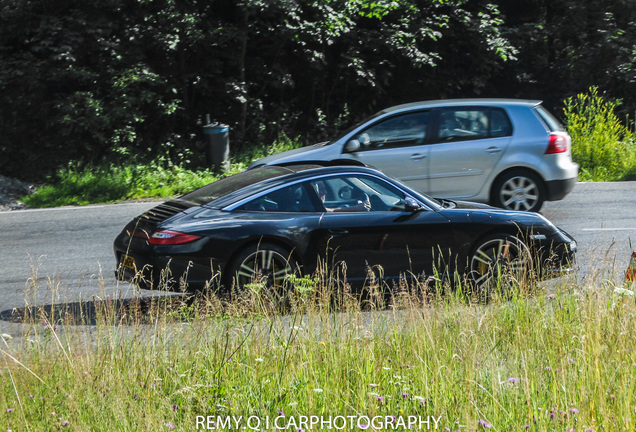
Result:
pixel 550 121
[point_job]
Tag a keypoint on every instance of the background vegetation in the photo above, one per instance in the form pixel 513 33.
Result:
pixel 103 83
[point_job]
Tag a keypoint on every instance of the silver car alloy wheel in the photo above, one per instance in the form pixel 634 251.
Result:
pixel 519 193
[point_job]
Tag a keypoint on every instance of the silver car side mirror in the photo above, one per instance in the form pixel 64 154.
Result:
pixel 352 146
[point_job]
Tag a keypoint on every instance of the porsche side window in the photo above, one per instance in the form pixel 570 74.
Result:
pixel 290 199
pixel 357 194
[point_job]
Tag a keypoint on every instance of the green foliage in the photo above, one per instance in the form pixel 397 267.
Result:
pixel 602 145
pixel 101 83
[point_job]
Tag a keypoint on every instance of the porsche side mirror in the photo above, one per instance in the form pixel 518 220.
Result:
pixel 411 205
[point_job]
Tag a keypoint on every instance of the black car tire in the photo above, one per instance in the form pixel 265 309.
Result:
pixel 519 190
pixel 265 263
pixel 499 263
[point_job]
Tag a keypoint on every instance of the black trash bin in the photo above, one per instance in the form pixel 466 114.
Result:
pixel 217 141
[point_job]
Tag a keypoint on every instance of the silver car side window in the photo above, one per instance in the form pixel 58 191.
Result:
pixel 399 131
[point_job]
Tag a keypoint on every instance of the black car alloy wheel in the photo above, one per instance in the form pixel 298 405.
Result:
pixel 265 263
pixel 500 262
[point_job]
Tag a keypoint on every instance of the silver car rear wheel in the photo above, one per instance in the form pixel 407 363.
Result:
pixel 519 190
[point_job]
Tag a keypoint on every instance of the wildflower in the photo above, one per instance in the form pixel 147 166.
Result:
pixel 623 291
pixel 574 411
pixel 525 427
pixel 260 360
pixel 280 413
pixel 175 407
pixel 571 360
pixel 405 395
pixel 374 385
pixel 484 423
pixel 548 368
pixel 364 426
pixel 551 296
pixel 10 410
pixel 136 396
pixel 514 380
pixel 322 343
pixel 171 426
pixel 318 390
pixel 65 423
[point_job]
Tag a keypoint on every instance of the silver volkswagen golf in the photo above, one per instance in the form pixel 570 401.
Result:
pixel 510 153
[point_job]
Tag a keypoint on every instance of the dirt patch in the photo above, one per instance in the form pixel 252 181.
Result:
pixel 11 190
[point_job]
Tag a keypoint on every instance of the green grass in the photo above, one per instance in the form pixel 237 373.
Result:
pixel 108 183
pixel 559 361
pixel 603 146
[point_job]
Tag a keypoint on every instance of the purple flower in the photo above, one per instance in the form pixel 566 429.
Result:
pixel 171 426
pixel 548 368
pixel 10 410
pixel 175 407
pixel 574 411
pixel 484 423
pixel 280 413
pixel 571 360
pixel 551 296
pixel 513 380
pixel 364 426
pixel 405 395
pixel 525 427
pixel 65 423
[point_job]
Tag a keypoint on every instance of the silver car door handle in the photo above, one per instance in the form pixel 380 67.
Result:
pixel 493 149
pixel 418 156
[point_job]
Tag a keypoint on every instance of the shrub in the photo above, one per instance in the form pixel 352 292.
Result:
pixel 602 145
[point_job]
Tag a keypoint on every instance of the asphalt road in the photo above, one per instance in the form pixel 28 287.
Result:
pixel 65 254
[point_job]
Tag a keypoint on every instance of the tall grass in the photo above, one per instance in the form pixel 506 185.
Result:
pixel 558 361
pixel 603 146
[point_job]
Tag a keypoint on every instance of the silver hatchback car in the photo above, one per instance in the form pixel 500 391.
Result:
pixel 510 153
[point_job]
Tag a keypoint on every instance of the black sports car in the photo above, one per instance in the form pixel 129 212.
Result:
pixel 272 221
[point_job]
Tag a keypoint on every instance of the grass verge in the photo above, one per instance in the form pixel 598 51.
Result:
pixel 108 183
pixel 559 361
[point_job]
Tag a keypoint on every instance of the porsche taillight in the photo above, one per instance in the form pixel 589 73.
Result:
pixel 166 237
